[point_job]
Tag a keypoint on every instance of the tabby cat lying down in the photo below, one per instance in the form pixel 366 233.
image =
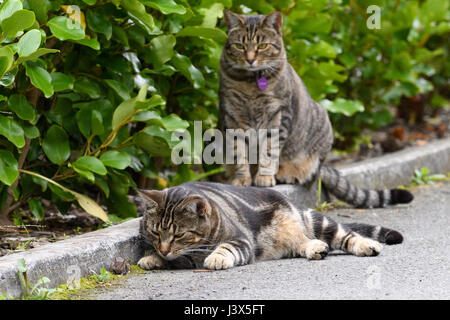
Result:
pixel 220 226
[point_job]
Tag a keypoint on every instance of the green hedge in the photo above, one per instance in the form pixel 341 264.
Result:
pixel 91 90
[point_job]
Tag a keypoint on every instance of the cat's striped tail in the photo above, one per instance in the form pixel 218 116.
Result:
pixel 346 191
pixel 381 234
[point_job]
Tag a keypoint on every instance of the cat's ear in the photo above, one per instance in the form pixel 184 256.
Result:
pixel 232 19
pixel 154 197
pixel 198 206
pixel 274 20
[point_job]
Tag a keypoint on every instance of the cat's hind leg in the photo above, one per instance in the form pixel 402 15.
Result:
pixel 314 249
pixel 341 236
pixel 289 238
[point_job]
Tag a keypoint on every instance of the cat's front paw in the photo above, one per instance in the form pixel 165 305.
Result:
pixel 286 179
pixel 363 247
pixel 217 261
pixel 316 250
pixel 152 262
pixel 242 181
pixel 264 181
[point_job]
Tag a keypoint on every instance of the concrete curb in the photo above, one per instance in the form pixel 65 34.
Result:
pixel 76 257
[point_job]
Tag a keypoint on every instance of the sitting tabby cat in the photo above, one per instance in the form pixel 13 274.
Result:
pixel 219 226
pixel 259 89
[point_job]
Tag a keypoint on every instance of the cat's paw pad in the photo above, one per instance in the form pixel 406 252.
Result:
pixel 217 261
pixel 316 250
pixel 264 181
pixel 242 181
pixel 366 247
pixel 151 262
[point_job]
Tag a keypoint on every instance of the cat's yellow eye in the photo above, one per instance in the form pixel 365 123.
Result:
pixel 262 46
pixel 239 46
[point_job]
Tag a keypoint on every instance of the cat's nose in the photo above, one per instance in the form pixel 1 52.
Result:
pixel 250 60
pixel 164 252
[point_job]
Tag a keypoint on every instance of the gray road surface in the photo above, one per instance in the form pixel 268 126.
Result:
pixel 416 269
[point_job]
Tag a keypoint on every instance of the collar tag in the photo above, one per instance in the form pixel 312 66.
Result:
pixel 262 83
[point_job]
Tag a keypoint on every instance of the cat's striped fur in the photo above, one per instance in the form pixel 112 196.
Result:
pixel 255 49
pixel 219 226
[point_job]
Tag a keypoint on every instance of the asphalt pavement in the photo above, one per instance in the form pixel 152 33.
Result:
pixel 416 269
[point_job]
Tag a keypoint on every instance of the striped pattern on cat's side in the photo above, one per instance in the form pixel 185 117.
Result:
pixel 220 226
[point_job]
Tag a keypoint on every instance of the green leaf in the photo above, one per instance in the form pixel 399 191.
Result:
pixel 116 159
pixel 84 117
pixel 62 81
pixel 40 78
pixel 127 108
pixel 184 65
pixel 91 164
pixel 155 100
pixel 344 106
pixel 84 173
pixel 18 21
pixel 65 196
pixel 90 2
pixel 98 22
pixel 165 6
pixel 161 49
pixel 211 14
pixel 56 145
pixel 40 9
pixel 9 7
pixel 103 185
pixel 209 33
pixel 120 36
pixel 39 52
pixel 8 77
pixel 36 209
pixel 31 131
pixel 118 87
pixel 20 106
pixel 6 60
pixel 156 140
pixel 137 12
pixel 88 87
pixel 322 49
pixel 97 123
pixel 173 122
pixel 91 43
pixel 29 43
pixel 64 28
pixel 12 131
pixel 8 167
pixel 318 23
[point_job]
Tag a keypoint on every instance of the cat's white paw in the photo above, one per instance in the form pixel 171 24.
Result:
pixel 217 261
pixel 366 247
pixel 316 250
pixel 151 262
pixel 242 181
pixel 264 181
